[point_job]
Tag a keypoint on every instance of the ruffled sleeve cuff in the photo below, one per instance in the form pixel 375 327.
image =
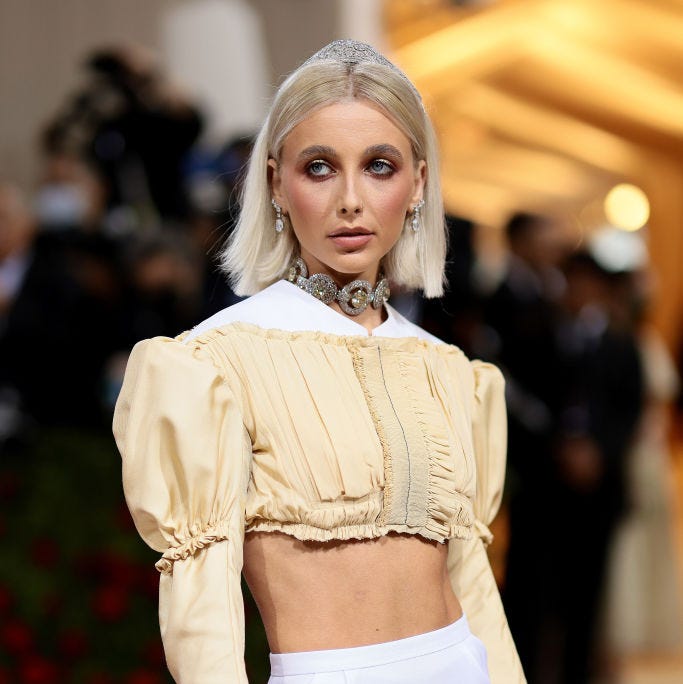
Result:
pixel 483 532
pixel 189 547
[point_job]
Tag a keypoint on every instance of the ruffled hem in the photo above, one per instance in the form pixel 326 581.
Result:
pixel 189 547
pixel 304 532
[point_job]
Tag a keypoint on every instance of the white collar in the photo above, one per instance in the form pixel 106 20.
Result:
pixel 283 306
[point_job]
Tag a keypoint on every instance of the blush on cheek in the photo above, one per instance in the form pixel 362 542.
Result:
pixel 307 200
pixel 393 203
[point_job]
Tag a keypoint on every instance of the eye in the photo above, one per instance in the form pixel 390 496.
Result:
pixel 319 169
pixel 381 167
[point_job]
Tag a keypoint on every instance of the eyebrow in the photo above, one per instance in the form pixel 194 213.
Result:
pixel 326 151
pixel 384 150
pixel 317 151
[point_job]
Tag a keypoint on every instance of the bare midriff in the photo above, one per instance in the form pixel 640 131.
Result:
pixel 340 594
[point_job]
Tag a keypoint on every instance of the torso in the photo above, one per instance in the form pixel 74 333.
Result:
pixel 315 595
pixel 340 594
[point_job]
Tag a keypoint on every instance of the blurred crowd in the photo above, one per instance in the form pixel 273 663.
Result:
pixel 588 386
pixel 118 243
pixel 115 244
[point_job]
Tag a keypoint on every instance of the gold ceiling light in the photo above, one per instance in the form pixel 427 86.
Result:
pixel 627 207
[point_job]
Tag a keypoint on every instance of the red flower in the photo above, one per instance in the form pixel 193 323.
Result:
pixel 123 518
pixel 5 676
pixel 149 582
pixel 52 604
pixel 6 602
pixel 108 567
pixel 44 552
pixel 121 571
pixel 110 603
pixel 99 678
pixel 143 676
pixel 37 670
pixel 88 567
pixel 10 483
pixel 73 643
pixel 153 653
pixel 16 637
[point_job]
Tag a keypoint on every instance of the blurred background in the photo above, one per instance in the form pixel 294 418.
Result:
pixel 124 129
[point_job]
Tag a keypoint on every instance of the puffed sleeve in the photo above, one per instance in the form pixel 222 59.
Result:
pixel 468 565
pixel 186 457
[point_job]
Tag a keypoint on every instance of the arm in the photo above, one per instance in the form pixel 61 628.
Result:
pixel 468 564
pixel 185 472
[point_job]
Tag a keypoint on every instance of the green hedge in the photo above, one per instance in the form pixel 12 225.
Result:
pixel 78 588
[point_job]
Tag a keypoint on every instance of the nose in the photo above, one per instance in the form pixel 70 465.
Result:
pixel 350 201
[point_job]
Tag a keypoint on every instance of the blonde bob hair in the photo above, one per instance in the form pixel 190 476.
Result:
pixel 256 256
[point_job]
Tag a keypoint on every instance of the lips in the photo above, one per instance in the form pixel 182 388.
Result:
pixel 351 238
pixel 348 232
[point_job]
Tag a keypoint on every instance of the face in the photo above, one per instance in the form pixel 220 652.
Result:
pixel 16 227
pixel 347 179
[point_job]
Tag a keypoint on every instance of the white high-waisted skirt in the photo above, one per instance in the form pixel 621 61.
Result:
pixel 450 655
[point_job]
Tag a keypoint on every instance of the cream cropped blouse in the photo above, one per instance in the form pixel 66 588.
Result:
pixel 279 414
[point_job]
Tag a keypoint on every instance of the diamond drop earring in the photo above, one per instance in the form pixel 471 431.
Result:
pixel 415 220
pixel 279 221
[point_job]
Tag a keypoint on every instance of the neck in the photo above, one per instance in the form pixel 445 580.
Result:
pixel 356 299
pixel 369 319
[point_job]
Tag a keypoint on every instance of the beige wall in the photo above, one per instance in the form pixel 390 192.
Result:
pixel 295 29
pixel 43 42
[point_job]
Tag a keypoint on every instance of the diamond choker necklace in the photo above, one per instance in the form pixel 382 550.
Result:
pixel 353 298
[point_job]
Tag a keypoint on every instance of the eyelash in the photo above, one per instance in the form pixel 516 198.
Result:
pixel 317 162
pixel 387 168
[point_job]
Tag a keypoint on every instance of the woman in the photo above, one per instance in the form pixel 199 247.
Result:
pixel 342 458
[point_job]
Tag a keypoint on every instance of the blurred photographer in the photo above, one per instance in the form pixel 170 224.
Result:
pixel 135 129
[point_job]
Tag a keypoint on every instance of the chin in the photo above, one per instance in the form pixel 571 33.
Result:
pixel 353 263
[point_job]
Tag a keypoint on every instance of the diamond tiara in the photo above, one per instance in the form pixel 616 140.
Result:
pixel 354 52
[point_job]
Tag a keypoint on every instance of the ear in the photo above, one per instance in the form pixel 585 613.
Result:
pixel 275 181
pixel 420 180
